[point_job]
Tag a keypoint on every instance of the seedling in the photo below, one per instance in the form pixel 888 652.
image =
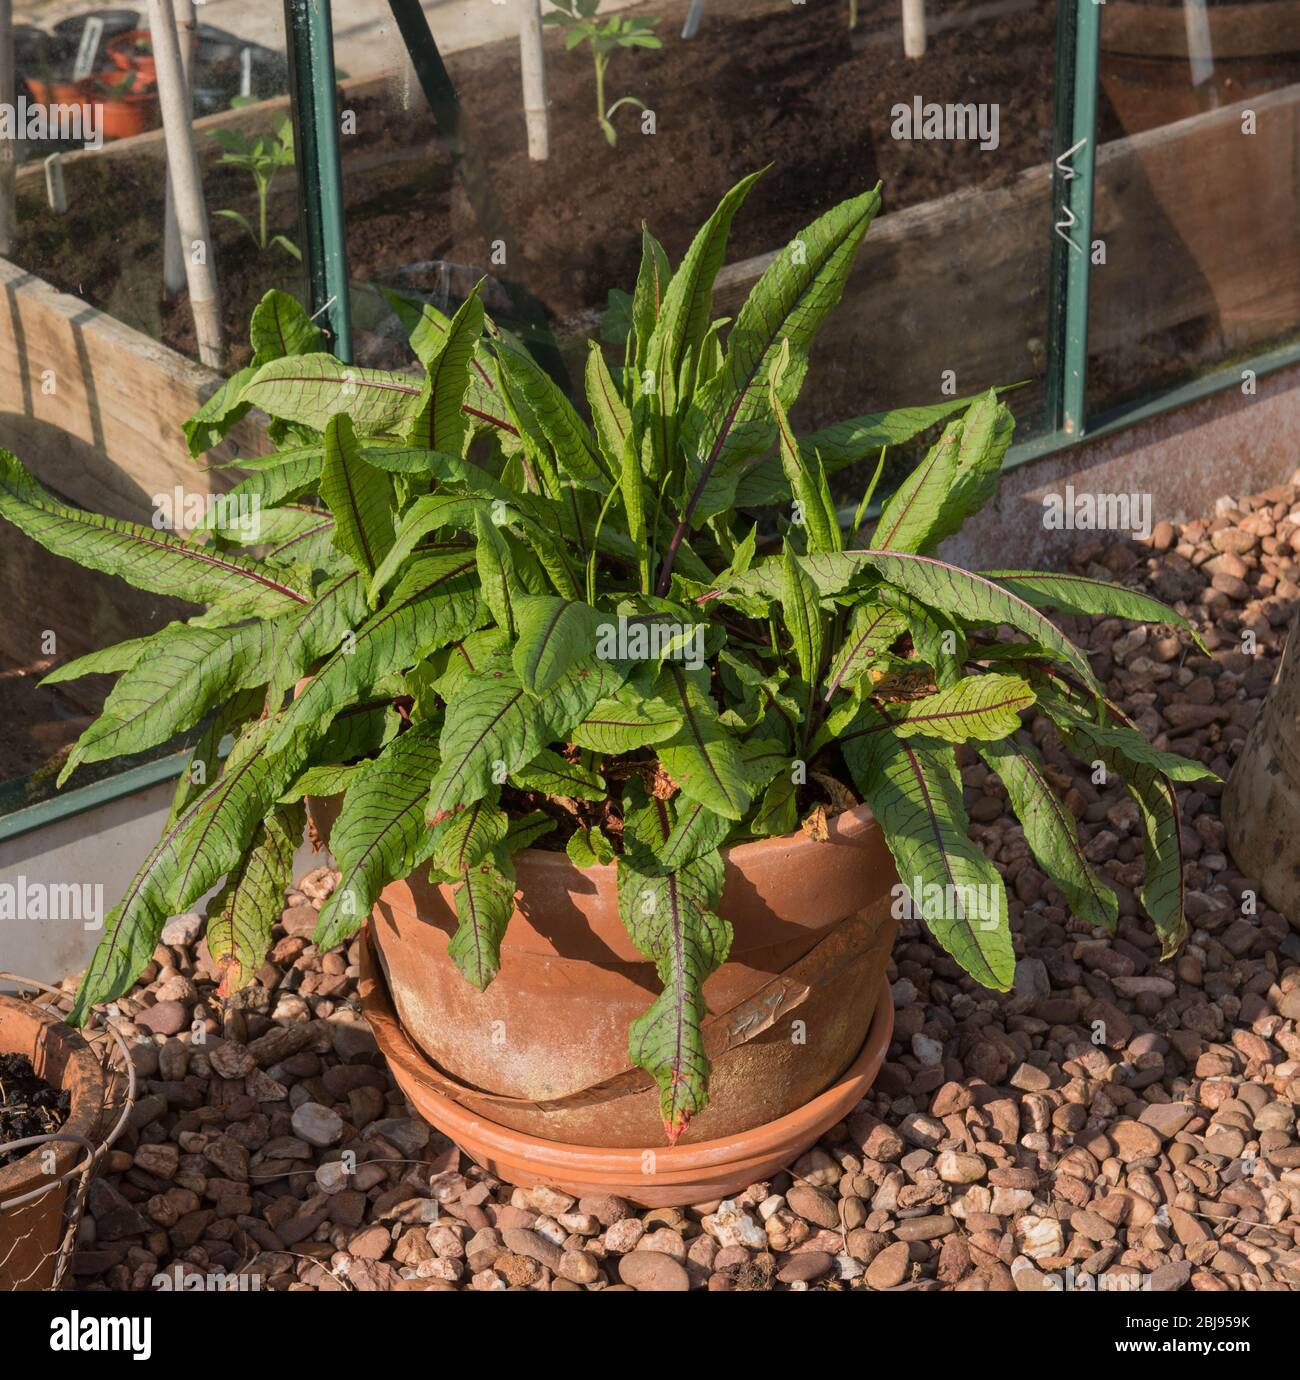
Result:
pixel 263 158
pixel 577 18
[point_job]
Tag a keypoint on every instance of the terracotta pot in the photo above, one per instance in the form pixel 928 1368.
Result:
pixel 651 1176
pixel 59 92
pixel 30 1232
pixel 544 1050
pixel 125 116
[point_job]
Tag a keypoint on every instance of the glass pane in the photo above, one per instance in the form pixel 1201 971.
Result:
pixel 1196 208
pixel 951 287
pixel 90 404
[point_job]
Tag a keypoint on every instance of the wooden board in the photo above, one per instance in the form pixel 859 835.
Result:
pixel 1236 31
pixel 961 282
pixel 94 408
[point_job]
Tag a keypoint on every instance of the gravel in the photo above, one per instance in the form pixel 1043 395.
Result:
pixel 1113 1122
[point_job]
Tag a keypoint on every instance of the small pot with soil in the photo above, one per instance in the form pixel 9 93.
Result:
pixel 50 1083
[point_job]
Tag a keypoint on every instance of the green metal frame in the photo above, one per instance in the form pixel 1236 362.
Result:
pixel 309 37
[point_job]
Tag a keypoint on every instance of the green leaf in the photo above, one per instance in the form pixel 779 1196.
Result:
pixel 464 840
pixel 485 901
pixel 186 672
pixel 671 920
pixel 803 617
pixel 1078 594
pixel 310 389
pixel 550 774
pixel 441 423
pixel 553 635
pixel 148 559
pixel 956 479
pixel 857 438
pixel 703 757
pixel 687 306
pixel 322 781
pixel 647 301
pixel 297 474
pixel 359 496
pixel 243 913
pixel 534 393
pixel 589 848
pixel 875 628
pixel 1051 831
pixel 625 722
pixel 380 835
pixel 209 426
pixel 107 661
pixel 1119 744
pixel 962 594
pixel 281 328
pixel 494 727
pixel 495 571
pixel 192 854
pixel 730 420
pixel 337 609
pixel 815 509
pixel 609 414
pixel 914 790
pixel 435 603
pixel 204 764
pixel 1162 893
pixel 979 708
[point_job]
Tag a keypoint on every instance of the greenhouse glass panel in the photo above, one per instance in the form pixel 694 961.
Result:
pixel 823 95
pixel 1196 231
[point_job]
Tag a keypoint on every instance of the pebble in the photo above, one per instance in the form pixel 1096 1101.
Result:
pixel 317 1125
pixel 653 1272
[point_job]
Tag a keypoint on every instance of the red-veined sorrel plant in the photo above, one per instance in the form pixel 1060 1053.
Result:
pixel 514 615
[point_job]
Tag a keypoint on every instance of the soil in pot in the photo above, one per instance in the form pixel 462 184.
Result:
pixel 29 1106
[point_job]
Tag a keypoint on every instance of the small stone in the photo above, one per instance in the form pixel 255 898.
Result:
pixel 815 1206
pixel 1039 1237
pixel 317 1125
pixel 1166 1118
pixel 231 1060
pixel 164 1018
pixel 889 1268
pixel 957 1167
pixel 182 930
pixel 653 1272
pixel 729 1226
pixel 578 1266
pixel 1134 1141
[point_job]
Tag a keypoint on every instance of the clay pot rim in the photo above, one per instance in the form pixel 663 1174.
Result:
pixel 843 828
pixel 82 1077
pixel 677 1163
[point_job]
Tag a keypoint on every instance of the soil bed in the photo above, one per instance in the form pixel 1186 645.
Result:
pixel 789 88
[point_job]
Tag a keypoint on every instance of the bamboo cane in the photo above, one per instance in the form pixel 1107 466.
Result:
pixel 914 28
pixel 8 147
pixel 183 169
pixel 173 255
pixel 532 63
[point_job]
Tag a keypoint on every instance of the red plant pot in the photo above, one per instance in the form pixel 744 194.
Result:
pixel 124 52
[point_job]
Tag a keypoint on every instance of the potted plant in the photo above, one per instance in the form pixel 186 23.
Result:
pixel 618 769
